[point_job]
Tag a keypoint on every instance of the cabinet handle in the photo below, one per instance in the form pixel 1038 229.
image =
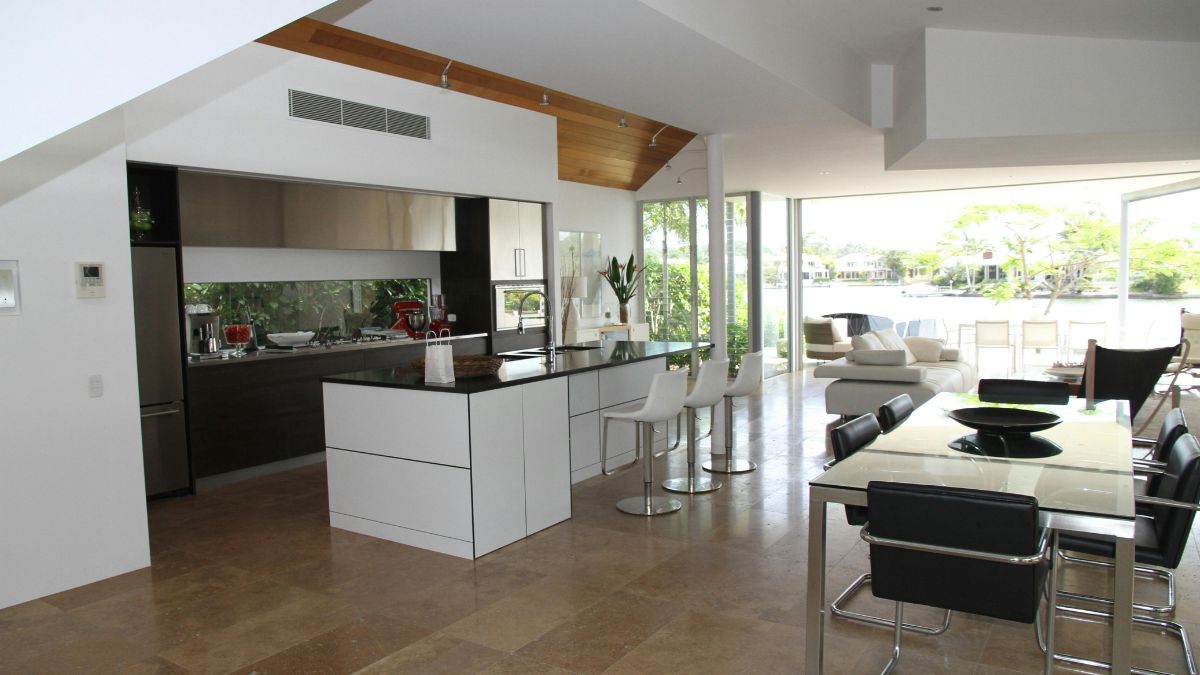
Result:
pixel 516 262
pixel 160 414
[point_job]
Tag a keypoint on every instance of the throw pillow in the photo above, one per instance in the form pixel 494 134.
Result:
pixel 839 329
pixel 879 357
pixel 865 341
pixel 926 349
pixel 891 340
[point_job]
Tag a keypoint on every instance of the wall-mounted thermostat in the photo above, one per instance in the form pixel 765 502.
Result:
pixel 10 298
pixel 89 280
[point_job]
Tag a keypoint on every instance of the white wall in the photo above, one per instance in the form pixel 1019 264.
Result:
pixel 972 98
pixel 478 147
pixel 1003 84
pixel 117 50
pixel 609 211
pixel 72 499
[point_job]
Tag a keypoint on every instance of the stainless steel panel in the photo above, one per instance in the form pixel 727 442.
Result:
pixel 164 448
pixel 156 324
pixel 219 210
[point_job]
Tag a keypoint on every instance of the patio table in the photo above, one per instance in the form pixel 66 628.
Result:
pixel 1086 488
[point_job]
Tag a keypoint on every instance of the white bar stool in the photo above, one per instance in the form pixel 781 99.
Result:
pixel 749 379
pixel 665 400
pixel 710 386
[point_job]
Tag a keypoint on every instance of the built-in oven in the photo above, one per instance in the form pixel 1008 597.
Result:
pixel 508 302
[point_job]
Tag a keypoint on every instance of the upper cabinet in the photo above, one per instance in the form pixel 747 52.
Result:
pixel 516 240
pixel 221 210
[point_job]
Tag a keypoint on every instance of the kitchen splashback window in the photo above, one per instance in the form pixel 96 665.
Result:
pixel 328 308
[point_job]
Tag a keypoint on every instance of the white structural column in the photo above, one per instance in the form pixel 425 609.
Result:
pixel 716 266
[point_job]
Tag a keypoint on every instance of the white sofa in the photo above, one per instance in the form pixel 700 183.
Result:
pixel 868 377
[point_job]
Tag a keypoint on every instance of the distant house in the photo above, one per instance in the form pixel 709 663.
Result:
pixel 812 269
pixel 864 266
pixel 985 266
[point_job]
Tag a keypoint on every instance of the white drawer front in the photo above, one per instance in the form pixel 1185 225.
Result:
pixel 584 392
pixel 628 382
pixel 425 497
pixel 421 425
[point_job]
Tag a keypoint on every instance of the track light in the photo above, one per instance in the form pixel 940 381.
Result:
pixel 445 83
pixel 545 98
pixel 621 124
pixel 694 168
pixel 654 138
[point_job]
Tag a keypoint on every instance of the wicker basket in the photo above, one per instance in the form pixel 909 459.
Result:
pixel 468 366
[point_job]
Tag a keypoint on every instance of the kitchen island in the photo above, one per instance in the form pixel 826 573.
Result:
pixel 467 467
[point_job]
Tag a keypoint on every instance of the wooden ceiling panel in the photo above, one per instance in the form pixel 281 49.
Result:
pixel 592 149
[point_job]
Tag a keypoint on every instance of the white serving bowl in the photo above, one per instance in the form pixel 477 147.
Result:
pixel 291 339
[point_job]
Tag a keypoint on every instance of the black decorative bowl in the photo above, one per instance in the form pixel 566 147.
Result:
pixel 1007 422
pixel 1024 446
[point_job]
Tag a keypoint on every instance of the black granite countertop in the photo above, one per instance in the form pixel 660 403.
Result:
pixel 605 355
pixel 271 355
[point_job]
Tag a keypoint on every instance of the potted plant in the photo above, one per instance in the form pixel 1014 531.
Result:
pixel 623 281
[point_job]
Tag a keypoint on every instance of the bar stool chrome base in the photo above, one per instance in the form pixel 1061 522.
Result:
pixel 735 465
pixel 691 485
pixel 646 504
pixel 653 506
pixel 729 463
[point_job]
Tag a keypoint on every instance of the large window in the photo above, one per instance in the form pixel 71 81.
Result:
pixel 776 286
pixel 675 252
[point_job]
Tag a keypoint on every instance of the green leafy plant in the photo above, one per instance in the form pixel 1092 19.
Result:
pixel 622 279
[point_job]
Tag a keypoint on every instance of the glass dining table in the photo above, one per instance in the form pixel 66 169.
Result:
pixel 1086 487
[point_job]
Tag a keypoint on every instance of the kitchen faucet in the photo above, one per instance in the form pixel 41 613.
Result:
pixel 547 313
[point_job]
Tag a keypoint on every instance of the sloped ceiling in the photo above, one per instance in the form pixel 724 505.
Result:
pixel 592 148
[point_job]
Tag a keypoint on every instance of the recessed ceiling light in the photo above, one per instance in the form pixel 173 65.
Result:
pixel 933 8
pixel 822 173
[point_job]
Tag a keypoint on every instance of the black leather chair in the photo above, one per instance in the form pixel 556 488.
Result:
pixel 895 411
pixel 1163 528
pixel 1024 391
pixel 959 549
pixel 1174 426
pixel 848 439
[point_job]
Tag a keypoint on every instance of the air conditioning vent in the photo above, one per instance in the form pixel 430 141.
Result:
pixel 320 108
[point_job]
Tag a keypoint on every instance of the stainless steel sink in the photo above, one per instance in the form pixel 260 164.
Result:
pixel 563 349
pixel 513 356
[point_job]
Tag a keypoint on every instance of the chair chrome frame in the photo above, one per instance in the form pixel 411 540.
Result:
pixel 837 608
pixel 1155 622
pixel 1047 550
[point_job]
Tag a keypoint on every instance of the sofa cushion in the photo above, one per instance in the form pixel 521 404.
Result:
pixel 866 341
pixel 949 354
pixel 925 348
pixel 892 340
pixel 878 357
pixel 854 371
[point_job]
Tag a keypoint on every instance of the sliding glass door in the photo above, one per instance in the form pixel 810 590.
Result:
pixel 675 251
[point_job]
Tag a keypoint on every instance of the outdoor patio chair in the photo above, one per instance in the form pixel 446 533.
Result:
pixel 1078 334
pixel 1039 335
pixel 1189 331
pixel 994 334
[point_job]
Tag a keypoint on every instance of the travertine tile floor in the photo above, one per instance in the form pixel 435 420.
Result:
pixel 251 579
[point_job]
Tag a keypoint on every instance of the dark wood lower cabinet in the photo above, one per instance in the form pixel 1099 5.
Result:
pixel 245 413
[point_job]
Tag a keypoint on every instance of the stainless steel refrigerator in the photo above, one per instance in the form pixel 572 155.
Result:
pixel 157 319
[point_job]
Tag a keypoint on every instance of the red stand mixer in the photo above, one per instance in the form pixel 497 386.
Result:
pixel 412 318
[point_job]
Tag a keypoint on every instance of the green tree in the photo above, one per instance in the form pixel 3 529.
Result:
pixel 898 261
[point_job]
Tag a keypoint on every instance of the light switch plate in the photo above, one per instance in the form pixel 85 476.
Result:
pixel 10 294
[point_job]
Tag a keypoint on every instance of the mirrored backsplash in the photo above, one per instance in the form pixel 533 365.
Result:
pixel 328 308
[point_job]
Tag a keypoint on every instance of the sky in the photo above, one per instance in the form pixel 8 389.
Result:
pixel 916 221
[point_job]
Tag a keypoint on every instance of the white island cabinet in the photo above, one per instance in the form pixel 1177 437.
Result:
pixel 459 474
pixel 468 467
